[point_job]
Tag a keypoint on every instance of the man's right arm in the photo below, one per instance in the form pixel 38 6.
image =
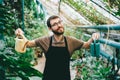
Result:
pixel 30 43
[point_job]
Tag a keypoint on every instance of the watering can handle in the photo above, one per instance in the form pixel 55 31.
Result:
pixel 25 45
pixel 21 35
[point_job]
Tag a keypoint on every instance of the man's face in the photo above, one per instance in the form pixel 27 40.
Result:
pixel 57 26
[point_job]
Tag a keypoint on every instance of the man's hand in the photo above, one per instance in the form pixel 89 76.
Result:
pixel 95 36
pixel 19 32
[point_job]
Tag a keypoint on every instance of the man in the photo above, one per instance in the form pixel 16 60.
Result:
pixel 58 49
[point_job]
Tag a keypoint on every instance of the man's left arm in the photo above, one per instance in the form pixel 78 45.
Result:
pixel 95 36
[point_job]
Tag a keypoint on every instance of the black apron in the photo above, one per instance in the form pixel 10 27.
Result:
pixel 57 63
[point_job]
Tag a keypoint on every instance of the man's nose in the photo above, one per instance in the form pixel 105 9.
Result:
pixel 58 24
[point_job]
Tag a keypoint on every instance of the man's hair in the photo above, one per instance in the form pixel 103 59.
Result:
pixel 50 18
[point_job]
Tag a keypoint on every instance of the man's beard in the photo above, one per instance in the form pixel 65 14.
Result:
pixel 58 33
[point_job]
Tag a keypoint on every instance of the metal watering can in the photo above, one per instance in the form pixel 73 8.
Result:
pixel 20 43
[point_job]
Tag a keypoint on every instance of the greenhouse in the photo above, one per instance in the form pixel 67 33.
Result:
pixel 59 39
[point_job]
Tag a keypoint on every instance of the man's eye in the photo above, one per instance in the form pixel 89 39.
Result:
pixel 59 22
pixel 55 24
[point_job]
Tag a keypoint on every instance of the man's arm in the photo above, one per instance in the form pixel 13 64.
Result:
pixel 95 36
pixel 30 43
pixel 87 44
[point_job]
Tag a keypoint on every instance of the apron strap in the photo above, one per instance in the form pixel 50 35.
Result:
pixel 50 41
pixel 64 40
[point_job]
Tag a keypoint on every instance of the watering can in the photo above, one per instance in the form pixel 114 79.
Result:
pixel 20 43
pixel 95 49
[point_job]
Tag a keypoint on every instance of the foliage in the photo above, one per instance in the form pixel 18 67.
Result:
pixel 17 64
pixel 11 14
pixel 12 64
pixel 113 5
pixel 37 30
pixel 90 68
pixel 36 8
pixel 88 11
pixel 8 21
pixel 9 54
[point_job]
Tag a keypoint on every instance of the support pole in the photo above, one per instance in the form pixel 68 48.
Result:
pixel 23 15
pixel 1 1
pixel 1 26
pixel 102 27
